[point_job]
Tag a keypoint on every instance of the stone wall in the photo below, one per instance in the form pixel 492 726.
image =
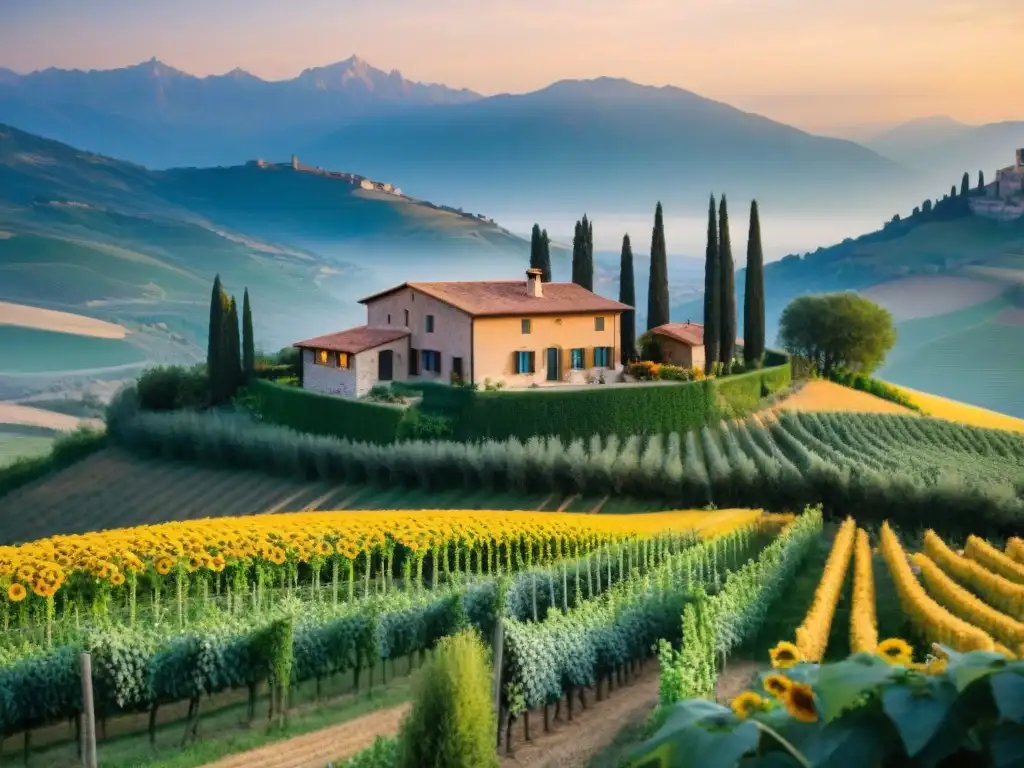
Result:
pixel 327 379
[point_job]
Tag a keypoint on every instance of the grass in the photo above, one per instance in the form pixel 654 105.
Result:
pixel 30 350
pixel 20 442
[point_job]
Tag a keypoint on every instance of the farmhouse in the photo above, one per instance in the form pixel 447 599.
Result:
pixel 512 332
pixel 1003 199
pixel 682 344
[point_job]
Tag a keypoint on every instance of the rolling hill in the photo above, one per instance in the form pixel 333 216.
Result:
pixel 94 236
pixel 607 144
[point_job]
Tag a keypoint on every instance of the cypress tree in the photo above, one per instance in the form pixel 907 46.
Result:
pixel 657 287
pixel 727 343
pixel 952 191
pixel 712 291
pixel 589 261
pixel 577 254
pixel 545 253
pixel 215 341
pixel 535 252
pixel 233 351
pixel 248 341
pixel 965 184
pixel 753 294
pixel 627 295
pixel 981 179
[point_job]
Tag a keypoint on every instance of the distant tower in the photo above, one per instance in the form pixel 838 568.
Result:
pixel 295 162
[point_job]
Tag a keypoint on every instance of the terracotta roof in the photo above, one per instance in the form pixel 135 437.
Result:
pixel 354 340
pixel 687 333
pixel 509 297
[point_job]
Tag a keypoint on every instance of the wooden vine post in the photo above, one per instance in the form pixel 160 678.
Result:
pixel 88 714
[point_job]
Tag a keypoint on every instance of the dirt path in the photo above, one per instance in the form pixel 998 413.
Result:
pixel 13 413
pixel 566 502
pixel 318 748
pixel 572 745
pixel 737 677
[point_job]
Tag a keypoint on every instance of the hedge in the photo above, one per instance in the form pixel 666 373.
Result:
pixel 318 414
pixel 564 413
pixel 66 450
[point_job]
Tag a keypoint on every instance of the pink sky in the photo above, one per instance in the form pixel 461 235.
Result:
pixel 820 64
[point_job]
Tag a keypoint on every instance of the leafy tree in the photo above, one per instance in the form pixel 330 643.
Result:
pixel 545 256
pixel 627 295
pixel 452 722
pixel 712 291
pixel 727 342
pixel 248 341
pixel 657 287
pixel 981 179
pixel 753 294
pixel 965 184
pixel 837 330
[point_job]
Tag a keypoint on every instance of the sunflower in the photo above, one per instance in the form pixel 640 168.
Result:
pixel 117 579
pixel 16 593
pixel 935 666
pixel 777 685
pixel 799 701
pixel 785 655
pixel 895 651
pixel 746 704
pixel 164 566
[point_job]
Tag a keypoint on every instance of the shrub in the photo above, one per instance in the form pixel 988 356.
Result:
pixel 172 387
pixel 872 386
pixel 452 723
pixel 326 414
pixel 382 393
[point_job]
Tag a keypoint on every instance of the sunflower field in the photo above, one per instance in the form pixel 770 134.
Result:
pixel 181 611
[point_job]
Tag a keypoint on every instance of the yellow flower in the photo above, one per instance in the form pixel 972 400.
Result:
pixel 746 704
pixel 117 579
pixel 164 566
pixel 777 685
pixel 896 651
pixel 785 655
pixel 799 702
pixel 16 593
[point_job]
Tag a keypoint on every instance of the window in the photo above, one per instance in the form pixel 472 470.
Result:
pixel 525 325
pixel 414 362
pixel 457 368
pixel 430 360
pixel 320 357
pixel 602 357
pixel 598 323
pixel 389 319
pixel 525 362
pixel 577 359
pixel 430 323
pixel 407 318
pixel 344 360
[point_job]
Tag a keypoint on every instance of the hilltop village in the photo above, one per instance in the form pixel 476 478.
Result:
pixel 362 182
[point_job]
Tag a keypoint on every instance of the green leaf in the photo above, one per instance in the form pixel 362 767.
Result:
pixel 1008 692
pixel 1007 746
pixel 842 744
pixel 974 666
pixel 686 713
pixel 918 714
pixel 842 683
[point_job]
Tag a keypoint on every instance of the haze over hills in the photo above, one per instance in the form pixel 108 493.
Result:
pixel 160 116
pixel 604 144
pixel 940 148
pixel 88 234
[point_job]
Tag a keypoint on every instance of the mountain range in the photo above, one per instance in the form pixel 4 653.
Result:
pixel 600 145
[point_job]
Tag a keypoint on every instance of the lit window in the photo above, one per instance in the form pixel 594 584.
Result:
pixel 321 357
pixel 344 360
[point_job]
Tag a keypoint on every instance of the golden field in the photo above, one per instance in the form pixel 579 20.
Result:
pixel 952 410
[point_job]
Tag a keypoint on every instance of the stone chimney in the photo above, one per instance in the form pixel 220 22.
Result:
pixel 534 284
